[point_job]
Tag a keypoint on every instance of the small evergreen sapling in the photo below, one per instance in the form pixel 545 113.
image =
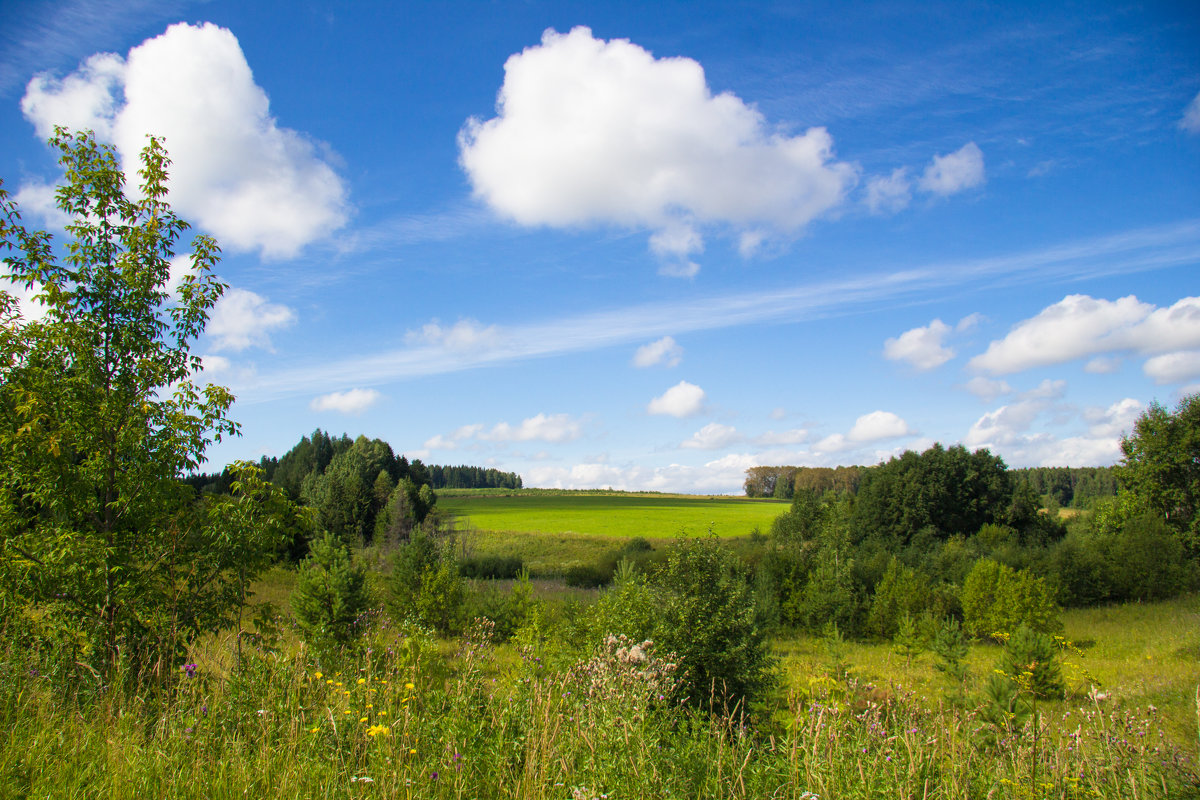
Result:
pixel 950 646
pixel 329 597
pixel 908 641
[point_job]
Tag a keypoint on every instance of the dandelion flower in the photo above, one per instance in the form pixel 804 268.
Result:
pixel 409 686
pixel 364 719
pixel 318 675
pixel 339 683
pixel 361 681
pixel 412 752
pixel 379 730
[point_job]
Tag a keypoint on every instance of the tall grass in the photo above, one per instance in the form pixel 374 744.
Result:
pixel 412 717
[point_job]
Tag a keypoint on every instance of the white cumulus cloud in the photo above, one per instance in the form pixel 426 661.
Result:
pixel 712 436
pixel 954 172
pixel 242 318
pixel 1080 326
pixel 922 347
pixel 1173 367
pixel 235 172
pixel 601 132
pixel 541 428
pixel 681 400
pixel 1011 431
pixel 873 427
pixel 354 401
pixel 878 425
pixel 987 389
pixel 663 351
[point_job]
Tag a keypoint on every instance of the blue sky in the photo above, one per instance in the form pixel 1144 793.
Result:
pixel 649 245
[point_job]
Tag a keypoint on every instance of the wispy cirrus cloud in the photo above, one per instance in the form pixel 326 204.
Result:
pixel 1123 253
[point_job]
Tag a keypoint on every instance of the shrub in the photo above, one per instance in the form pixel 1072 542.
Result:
pixel 999 599
pixel 588 576
pixel 710 622
pixel 902 592
pixel 630 607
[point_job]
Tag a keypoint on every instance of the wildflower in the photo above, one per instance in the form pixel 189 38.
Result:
pixel 379 730
pixel 339 683
pixel 383 713
pixel 318 675
pixel 364 719
pixel 409 686
pixel 189 669
pixel 316 729
pixel 361 681
pixel 329 682
pixel 412 751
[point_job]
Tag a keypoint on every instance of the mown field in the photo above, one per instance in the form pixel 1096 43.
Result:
pixel 616 514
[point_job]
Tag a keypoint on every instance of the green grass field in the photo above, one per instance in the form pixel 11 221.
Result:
pixel 611 515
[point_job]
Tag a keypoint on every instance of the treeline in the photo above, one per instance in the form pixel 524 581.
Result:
pixel 359 490
pixel 1066 487
pixel 1071 487
pixel 465 477
pixel 949 532
pixel 313 454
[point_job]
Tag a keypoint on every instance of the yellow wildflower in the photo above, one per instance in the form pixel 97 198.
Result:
pixel 361 681
pixel 412 752
pixel 318 675
pixel 379 730
pixel 409 686
pixel 364 719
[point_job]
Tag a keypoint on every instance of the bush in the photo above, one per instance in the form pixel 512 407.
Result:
pixel 508 611
pixel 630 607
pixel 588 576
pixel 710 622
pixel 997 599
pixel 903 591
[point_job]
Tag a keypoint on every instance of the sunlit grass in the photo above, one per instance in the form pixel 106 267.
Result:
pixel 617 515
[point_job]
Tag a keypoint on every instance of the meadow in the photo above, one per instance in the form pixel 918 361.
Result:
pixel 413 716
pixel 614 515
pixel 559 713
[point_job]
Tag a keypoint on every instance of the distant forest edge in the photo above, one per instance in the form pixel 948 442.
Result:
pixel 313 454
pixel 1068 487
